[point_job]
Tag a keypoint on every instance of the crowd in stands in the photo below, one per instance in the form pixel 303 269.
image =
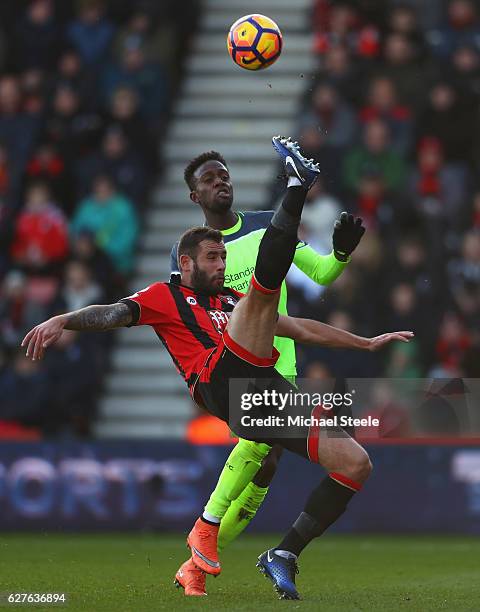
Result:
pixel 84 95
pixel 392 115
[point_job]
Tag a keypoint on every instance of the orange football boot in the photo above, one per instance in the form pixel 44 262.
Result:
pixel 202 541
pixel 191 579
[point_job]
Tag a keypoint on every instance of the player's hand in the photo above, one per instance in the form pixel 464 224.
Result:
pixel 347 233
pixel 43 336
pixel 379 342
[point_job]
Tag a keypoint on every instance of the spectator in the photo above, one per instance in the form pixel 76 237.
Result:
pixel 403 312
pixel 37 37
pixel 17 128
pixel 156 35
pixel 84 249
pixel 316 370
pixel 71 72
pixel 411 264
pixel 453 341
pixel 91 32
pixel 40 240
pixel 466 71
pixel 330 158
pixel 406 311
pixel 382 104
pixel 438 189
pixel 403 21
pixel 78 289
pixel 32 83
pixel 18 312
pixel 448 118
pixel 319 214
pixel 119 160
pixel 24 391
pixel 48 166
pixel 74 132
pixel 463 28
pixel 331 115
pixel 72 398
pixel 148 79
pixel 464 275
pixel 343 27
pixel 403 66
pixel 372 202
pixel 374 156
pixel 124 112
pixel 110 216
pixel 385 404
pixel 338 70
pixel 341 363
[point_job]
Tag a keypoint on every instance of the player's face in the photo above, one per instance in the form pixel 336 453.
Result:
pixel 208 274
pixel 213 188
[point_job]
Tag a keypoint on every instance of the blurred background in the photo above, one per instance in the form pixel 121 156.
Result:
pixel 102 104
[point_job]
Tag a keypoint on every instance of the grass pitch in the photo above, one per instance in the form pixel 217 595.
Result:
pixel 134 573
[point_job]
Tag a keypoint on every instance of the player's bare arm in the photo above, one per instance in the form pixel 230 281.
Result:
pixel 308 331
pixel 93 318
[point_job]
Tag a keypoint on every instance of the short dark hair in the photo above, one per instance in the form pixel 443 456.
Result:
pixel 190 240
pixel 195 163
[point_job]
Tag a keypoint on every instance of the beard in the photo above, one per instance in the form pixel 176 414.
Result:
pixel 202 283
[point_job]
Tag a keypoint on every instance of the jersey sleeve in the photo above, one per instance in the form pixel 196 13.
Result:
pixel 148 306
pixel 322 269
pixel 173 260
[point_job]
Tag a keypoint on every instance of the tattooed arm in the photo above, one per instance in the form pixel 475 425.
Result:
pixel 94 318
pixel 99 317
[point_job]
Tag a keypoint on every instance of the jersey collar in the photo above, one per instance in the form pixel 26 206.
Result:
pixel 235 228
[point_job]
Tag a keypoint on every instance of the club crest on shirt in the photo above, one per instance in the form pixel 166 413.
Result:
pixel 191 300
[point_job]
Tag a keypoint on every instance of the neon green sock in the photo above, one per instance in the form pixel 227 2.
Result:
pixel 242 464
pixel 240 513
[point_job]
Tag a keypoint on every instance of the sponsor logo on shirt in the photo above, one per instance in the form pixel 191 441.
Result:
pixel 243 274
pixel 228 299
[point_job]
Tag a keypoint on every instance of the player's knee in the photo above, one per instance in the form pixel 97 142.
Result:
pixel 358 466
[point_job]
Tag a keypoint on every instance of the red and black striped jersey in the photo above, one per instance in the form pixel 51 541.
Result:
pixel 189 324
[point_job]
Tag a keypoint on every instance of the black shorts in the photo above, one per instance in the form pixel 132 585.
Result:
pixel 232 370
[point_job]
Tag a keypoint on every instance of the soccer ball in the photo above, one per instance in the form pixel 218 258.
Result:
pixel 254 42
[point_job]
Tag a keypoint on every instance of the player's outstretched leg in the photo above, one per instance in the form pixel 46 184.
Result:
pixel 243 463
pixel 348 467
pixel 191 579
pixel 252 323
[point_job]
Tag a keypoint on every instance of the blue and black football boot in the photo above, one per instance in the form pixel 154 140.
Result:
pixel 296 165
pixel 281 572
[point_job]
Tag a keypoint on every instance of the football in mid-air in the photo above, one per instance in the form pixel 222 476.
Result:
pixel 254 42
